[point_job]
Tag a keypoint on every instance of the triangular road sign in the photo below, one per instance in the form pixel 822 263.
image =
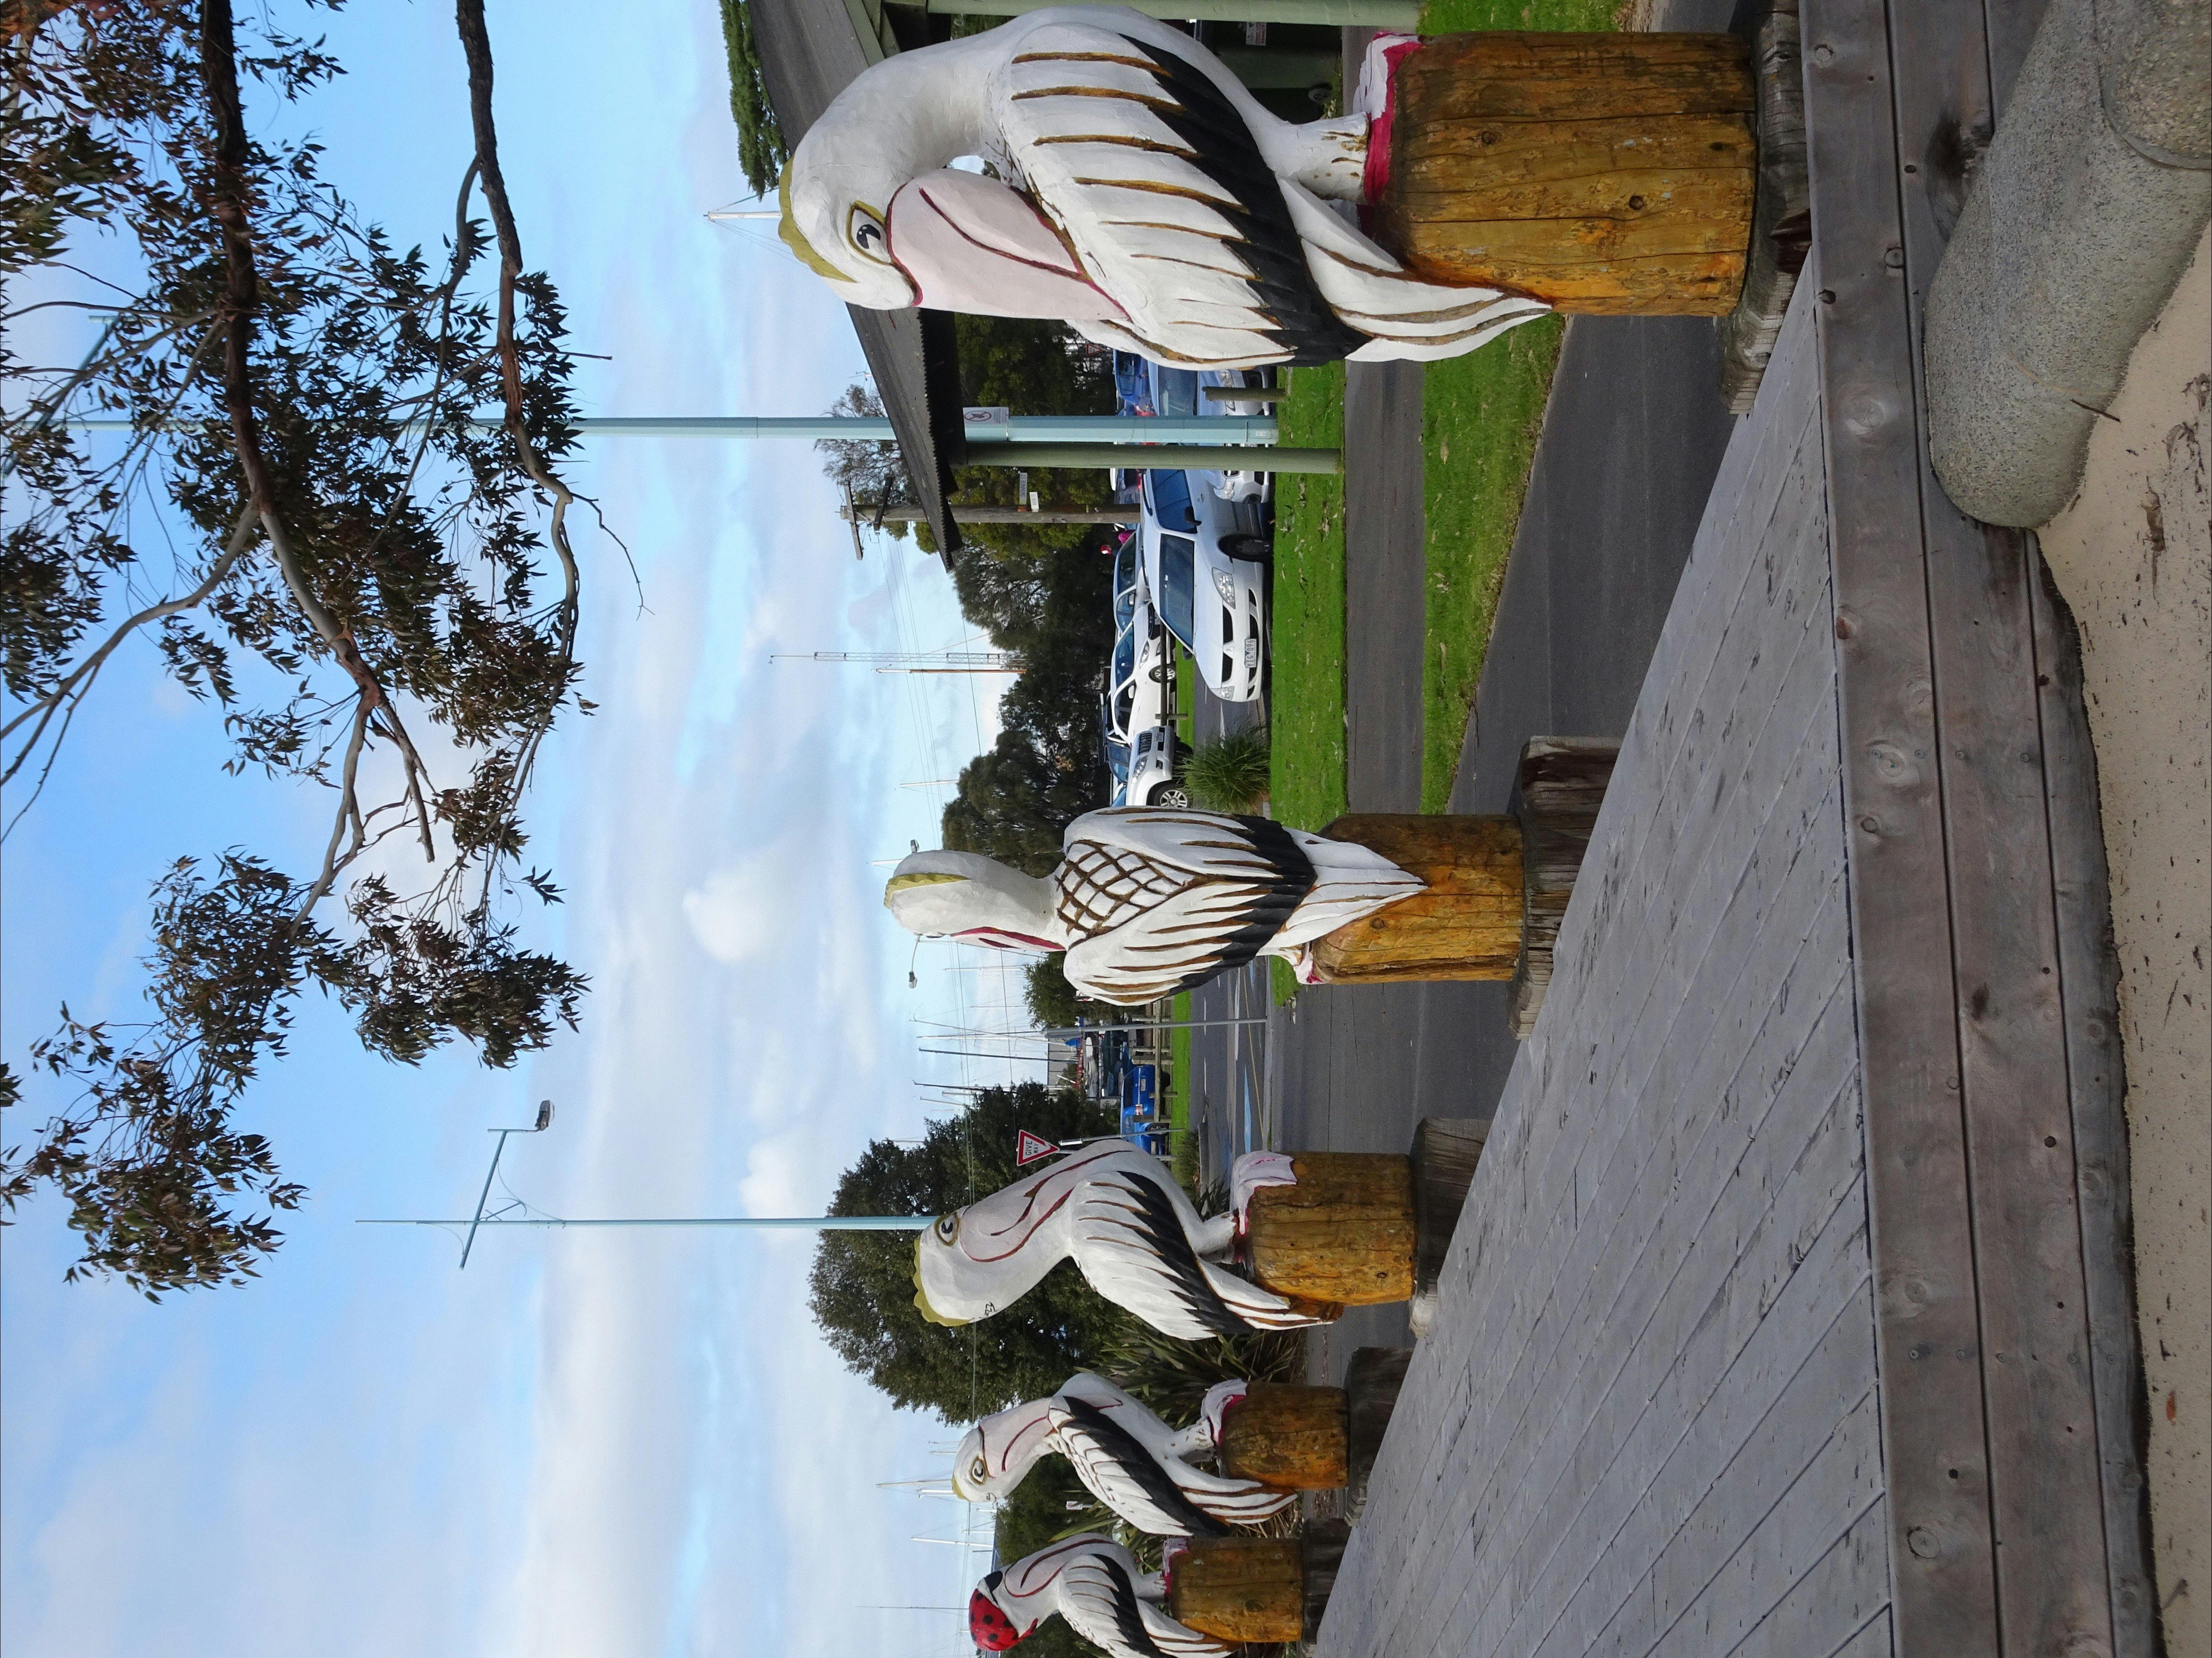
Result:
pixel 1028 1149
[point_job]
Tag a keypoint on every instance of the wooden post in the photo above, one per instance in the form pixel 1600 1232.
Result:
pixel 1289 1438
pixel 1561 786
pixel 1345 1233
pixel 1612 174
pixel 1466 925
pixel 1782 222
pixel 1446 1151
pixel 1321 1552
pixel 1371 1382
pixel 1239 1588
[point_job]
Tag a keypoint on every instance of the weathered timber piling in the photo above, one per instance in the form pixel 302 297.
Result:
pixel 1496 886
pixel 1466 925
pixel 1446 1151
pixel 1321 1552
pixel 1289 1438
pixel 1344 1233
pixel 1371 1382
pixel 1239 1588
pixel 1257 1589
pixel 1608 173
pixel 1561 785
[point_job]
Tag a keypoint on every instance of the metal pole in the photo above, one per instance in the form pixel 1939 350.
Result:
pixel 477 1220
pixel 796 1223
pixel 910 514
pixel 1100 442
pixel 1204 431
pixel 1198 456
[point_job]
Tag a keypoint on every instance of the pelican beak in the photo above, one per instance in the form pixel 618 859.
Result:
pixel 921 1296
pixel 968 243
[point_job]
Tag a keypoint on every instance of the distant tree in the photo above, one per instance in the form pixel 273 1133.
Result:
pixel 351 557
pixel 1046 767
pixel 761 151
pixel 862 1287
pixel 869 472
pixel 1052 1001
pixel 1032 368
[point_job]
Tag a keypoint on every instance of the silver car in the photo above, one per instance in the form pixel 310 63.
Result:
pixel 1137 710
pixel 1204 568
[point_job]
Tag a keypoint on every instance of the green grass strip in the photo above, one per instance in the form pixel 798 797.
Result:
pixel 1305 695
pixel 1182 1143
pixel 1481 417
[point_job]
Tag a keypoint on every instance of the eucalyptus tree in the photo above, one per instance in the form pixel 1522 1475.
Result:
pixel 337 511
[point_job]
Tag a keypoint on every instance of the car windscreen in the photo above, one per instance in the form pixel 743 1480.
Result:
pixel 1117 761
pixel 1170 493
pixel 1125 655
pixel 1125 584
pixel 1179 586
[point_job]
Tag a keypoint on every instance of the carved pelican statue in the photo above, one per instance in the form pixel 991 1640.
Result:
pixel 1126 1457
pixel 1133 190
pixel 1120 1215
pixel 1149 900
pixel 1093 1583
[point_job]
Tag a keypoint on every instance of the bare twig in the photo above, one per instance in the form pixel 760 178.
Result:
pixel 349 818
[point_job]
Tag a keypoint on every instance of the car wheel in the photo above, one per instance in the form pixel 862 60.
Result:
pixel 1174 796
pixel 1163 674
pixel 1252 549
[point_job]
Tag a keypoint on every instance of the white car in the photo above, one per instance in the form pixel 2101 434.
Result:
pixel 1137 710
pixel 1204 562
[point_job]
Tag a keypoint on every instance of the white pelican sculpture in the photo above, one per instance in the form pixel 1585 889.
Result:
pixel 1125 1457
pixel 1136 192
pixel 1148 900
pixel 1093 1583
pixel 1133 1233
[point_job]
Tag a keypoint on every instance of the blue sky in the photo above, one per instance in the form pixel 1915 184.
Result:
pixel 602 1444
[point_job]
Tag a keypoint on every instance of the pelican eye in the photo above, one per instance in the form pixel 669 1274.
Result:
pixel 947 1227
pixel 864 228
pixel 978 1471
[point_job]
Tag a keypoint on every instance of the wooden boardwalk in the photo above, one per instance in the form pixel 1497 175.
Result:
pixel 1791 1310
pixel 1646 1421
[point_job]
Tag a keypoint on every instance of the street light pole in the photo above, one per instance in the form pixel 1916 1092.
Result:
pixel 544 1122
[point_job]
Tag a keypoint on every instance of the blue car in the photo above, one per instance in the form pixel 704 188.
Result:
pixel 1143 1124
pixel 1133 384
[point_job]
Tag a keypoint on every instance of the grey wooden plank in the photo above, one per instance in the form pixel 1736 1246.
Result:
pixel 1735 1428
pixel 1748 1295
pixel 1683 1181
pixel 1942 1547
pixel 1839 1597
pixel 1686 1181
pixel 2011 25
pixel 1871 1641
pixel 1788 748
pixel 1678 1041
pixel 2088 983
pixel 1835 1382
pixel 1831 1494
pixel 2044 1489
